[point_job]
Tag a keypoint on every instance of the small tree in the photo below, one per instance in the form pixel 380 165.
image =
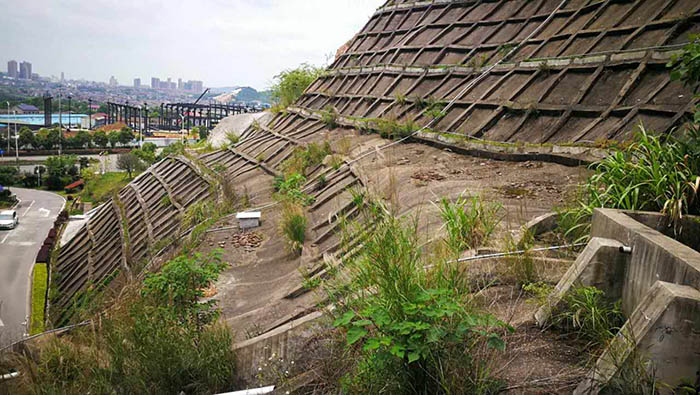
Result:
pixel 129 163
pixel 146 156
pixel 83 138
pixel 26 138
pixel 149 147
pixel 113 138
pixel 100 139
pixel 125 136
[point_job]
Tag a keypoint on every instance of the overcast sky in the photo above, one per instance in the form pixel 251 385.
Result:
pixel 221 42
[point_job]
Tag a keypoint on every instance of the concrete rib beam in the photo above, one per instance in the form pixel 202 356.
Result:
pixel 596 266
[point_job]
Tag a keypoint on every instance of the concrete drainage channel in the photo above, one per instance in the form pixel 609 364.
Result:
pixel 658 279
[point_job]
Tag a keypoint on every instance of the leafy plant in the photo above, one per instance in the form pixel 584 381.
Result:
pixel 158 340
pixel 289 188
pixel 232 138
pixel 181 282
pixel 686 65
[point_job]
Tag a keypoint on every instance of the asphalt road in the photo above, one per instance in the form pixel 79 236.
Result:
pixel 18 249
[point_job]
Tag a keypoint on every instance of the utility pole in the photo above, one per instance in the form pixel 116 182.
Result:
pixel 89 114
pixel 16 141
pixel 69 112
pixel 60 125
pixel 8 127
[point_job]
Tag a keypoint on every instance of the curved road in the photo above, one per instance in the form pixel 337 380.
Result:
pixel 18 249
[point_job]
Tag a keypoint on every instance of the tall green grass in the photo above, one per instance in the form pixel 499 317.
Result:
pixel 157 339
pixel 589 315
pixel 293 226
pixel 409 330
pixel 469 221
pixel 652 174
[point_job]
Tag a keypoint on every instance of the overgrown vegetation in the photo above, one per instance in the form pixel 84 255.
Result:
pixel 158 338
pixel 410 330
pixel 289 85
pixel 650 174
pixel 293 226
pixel 390 129
pixel 99 188
pixel 289 189
pixel 304 158
pixel 469 221
pixel 589 315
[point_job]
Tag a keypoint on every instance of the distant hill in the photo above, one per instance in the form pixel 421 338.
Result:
pixel 239 93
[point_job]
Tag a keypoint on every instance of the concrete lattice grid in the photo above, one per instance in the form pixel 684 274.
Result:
pixel 594 71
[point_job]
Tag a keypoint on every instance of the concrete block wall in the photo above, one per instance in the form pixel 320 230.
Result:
pixel 658 280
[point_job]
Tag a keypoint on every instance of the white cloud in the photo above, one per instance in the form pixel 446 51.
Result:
pixel 221 42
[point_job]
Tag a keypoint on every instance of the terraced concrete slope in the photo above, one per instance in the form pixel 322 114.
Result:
pixel 580 72
pixel 121 235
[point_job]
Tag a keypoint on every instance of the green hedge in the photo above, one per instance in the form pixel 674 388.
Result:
pixel 39 283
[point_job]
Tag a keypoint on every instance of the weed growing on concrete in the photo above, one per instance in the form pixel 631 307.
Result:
pixel 293 226
pixel 650 175
pixel 469 222
pixel 329 116
pixel 409 330
pixel 589 315
pixel 232 138
pixel 289 188
pixel 303 158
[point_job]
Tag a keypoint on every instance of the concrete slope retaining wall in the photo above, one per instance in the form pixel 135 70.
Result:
pixel 124 230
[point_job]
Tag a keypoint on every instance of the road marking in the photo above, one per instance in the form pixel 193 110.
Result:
pixel 44 212
pixel 5 238
pixel 21 243
pixel 30 206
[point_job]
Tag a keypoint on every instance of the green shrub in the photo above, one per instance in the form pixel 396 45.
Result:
pixel 289 85
pixel 329 116
pixel 390 129
pixel 232 138
pixel 290 189
pixel 469 222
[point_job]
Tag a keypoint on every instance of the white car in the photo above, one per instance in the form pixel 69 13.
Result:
pixel 8 219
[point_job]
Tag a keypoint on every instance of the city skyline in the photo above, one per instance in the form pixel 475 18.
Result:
pixel 238 43
pixel 23 70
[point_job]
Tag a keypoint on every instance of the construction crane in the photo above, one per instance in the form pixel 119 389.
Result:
pixel 201 96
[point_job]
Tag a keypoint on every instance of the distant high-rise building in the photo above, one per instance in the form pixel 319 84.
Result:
pixel 137 83
pixel 155 83
pixel 25 70
pixel 197 86
pixel 63 77
pixel 12 69
pixel 113 81
pixel 180 85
